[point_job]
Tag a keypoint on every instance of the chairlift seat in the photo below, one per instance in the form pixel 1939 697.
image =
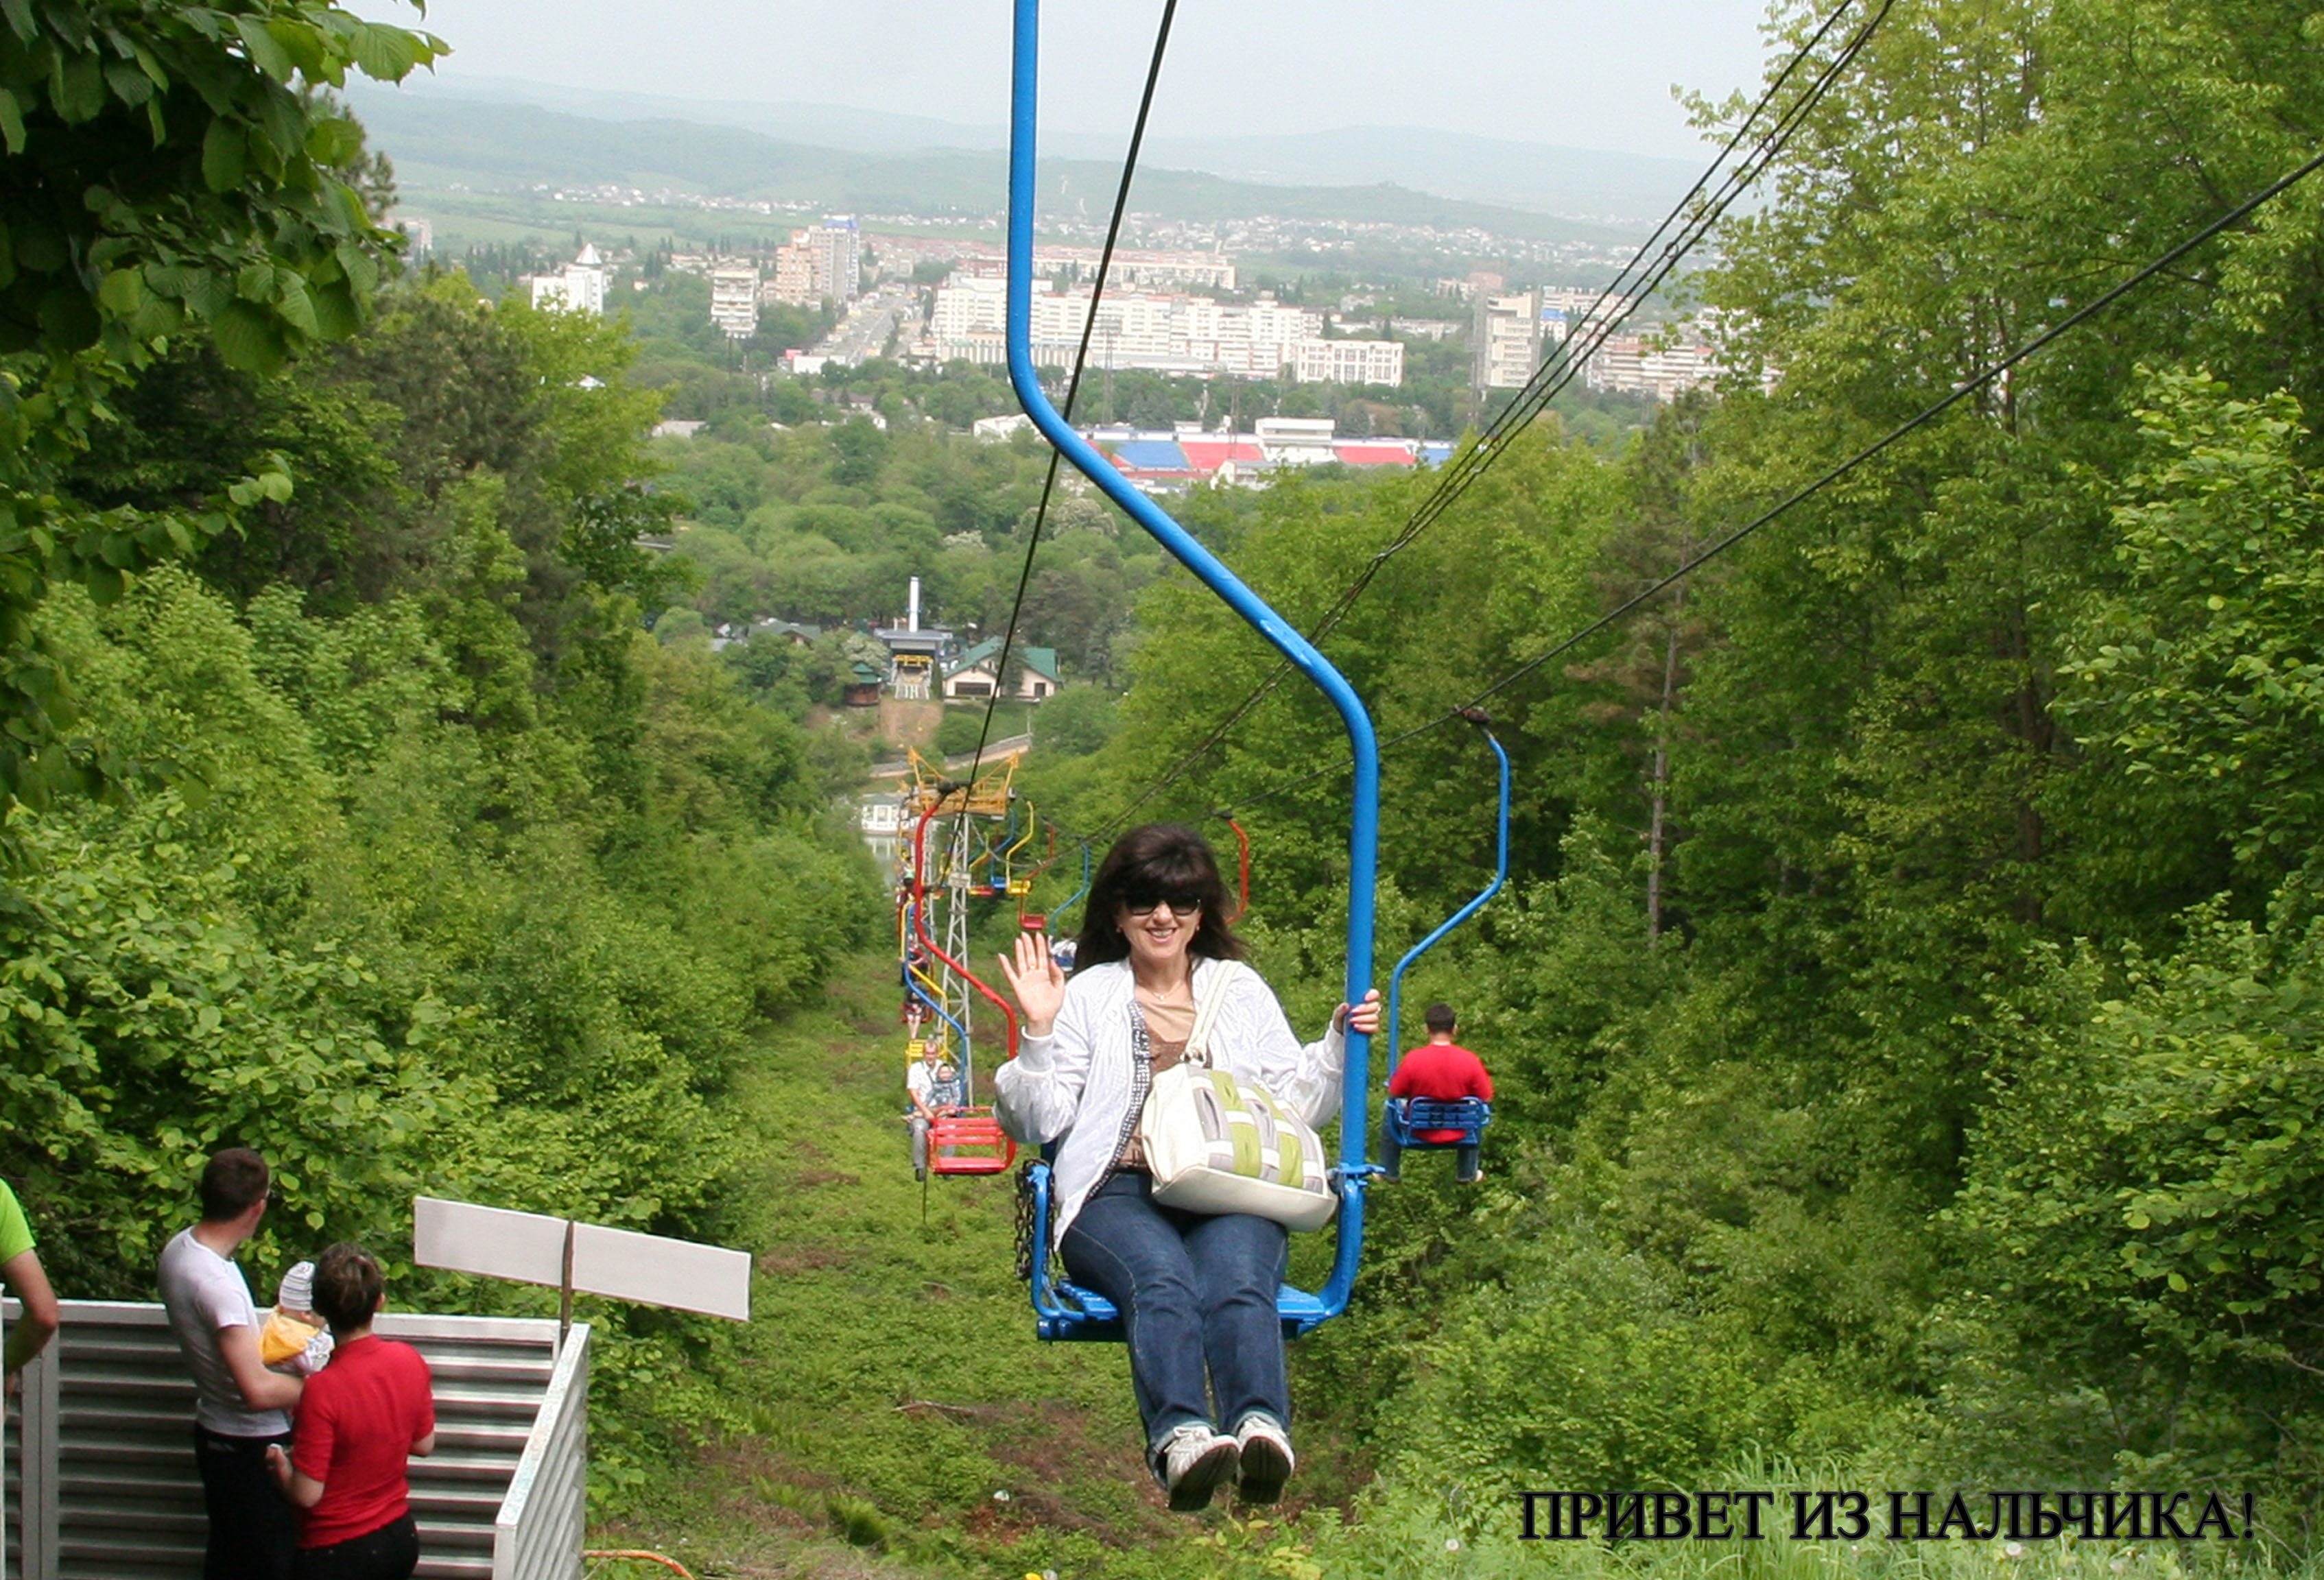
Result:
pixel 1065 1312
pixel 977 1144
pixel 1408 1117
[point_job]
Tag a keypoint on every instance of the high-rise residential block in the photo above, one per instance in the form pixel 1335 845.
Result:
pixel 734 299
pixel 1506 341
pixel 842 258
pixel 823 260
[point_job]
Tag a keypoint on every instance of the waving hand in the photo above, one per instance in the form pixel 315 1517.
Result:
pixel 1036 981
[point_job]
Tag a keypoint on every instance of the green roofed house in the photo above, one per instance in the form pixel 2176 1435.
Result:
pixel 972 675
pixel 862 689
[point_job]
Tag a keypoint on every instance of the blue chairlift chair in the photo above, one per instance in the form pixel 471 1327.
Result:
pixel 1061 1311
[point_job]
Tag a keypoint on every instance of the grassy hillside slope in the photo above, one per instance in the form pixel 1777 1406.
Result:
pixel 888 1409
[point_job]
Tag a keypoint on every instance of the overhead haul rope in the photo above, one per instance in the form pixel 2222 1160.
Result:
pixel 1921 419
pixel 1695 218
pixel 1081 360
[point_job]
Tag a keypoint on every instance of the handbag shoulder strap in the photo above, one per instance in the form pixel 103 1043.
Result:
pixel 1206 1014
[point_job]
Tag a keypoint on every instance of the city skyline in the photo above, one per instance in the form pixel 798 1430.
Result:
pixel 1546 72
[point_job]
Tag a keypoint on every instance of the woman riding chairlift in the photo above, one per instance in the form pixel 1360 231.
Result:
pixel 1197 1291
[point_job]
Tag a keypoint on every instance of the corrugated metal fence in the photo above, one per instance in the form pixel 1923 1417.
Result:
pixel 100 1476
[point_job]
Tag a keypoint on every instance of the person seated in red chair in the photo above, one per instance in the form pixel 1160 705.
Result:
pixel 1444 1071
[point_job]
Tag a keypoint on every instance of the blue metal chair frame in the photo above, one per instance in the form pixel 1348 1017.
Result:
pixel 1406 1117
pixel 912 985
pixel 992 856
pixel 1300 1311
pixel 1469 1115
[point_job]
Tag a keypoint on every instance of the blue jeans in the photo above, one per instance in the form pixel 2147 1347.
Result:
pixel 1197 1294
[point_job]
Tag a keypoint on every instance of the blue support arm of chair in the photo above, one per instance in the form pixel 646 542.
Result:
pixel 1363 837
pixel 1501 876
pixel 921 994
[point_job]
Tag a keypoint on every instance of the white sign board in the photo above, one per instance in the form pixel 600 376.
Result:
pixel 529 1248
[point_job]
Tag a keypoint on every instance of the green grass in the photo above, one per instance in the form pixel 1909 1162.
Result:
pixel 888 1382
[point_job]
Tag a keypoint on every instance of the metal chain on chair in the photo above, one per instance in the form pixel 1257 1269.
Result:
pixel 1025 1222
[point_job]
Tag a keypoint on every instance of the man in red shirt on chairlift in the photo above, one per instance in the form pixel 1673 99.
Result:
pixel 1442 1069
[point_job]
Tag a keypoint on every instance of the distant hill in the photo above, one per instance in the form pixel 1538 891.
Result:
pixel 1534 176
pixel 1543 178
pixel 440 142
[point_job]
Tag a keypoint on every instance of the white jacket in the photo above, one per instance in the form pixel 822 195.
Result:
pixel 1075 1086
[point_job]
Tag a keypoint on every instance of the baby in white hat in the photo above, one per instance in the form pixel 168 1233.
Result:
pixel 295 1341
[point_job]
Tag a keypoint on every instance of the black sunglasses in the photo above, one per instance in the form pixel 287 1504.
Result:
pixel 1181 905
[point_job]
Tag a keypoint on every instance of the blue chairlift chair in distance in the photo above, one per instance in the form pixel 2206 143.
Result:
pixel 1408 1119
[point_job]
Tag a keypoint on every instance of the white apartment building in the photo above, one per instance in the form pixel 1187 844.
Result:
pixel 1576 304
pixel 1630 363
pixel 842 257
pixel 1137 269
pixel 1349 362
pixel 1255 342
pixel 970 313
pixel 1507 341
pixel 1130 331
pixel 580 288
pixel 734 299
pixel 1161 334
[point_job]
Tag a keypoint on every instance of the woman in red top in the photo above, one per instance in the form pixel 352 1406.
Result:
pixel 359 1419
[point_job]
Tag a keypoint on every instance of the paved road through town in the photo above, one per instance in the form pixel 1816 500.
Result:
pixel 863 333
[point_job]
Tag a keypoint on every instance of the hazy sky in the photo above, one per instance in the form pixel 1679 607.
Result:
pixel 1595 76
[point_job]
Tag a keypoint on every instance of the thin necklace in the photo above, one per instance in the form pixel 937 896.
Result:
pixel 1163 998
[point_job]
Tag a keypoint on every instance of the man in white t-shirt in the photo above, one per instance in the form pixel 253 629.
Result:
pixel 240 1406
pixel 918 1078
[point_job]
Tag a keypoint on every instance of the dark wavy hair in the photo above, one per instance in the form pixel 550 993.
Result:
pixel 348 1287
pixel 1148 864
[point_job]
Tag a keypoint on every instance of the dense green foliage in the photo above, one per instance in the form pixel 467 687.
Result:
pixel 158 172
pixel 467 884
pixel 827 524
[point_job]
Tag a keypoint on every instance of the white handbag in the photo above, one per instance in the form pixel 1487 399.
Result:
pixel 1215 1142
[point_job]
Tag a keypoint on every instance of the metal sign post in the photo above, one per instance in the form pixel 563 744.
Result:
pixel 565 1290
pixel 531 1247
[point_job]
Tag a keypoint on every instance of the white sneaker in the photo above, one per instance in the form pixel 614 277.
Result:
pixel 1193 1462
pixel 1265 1451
